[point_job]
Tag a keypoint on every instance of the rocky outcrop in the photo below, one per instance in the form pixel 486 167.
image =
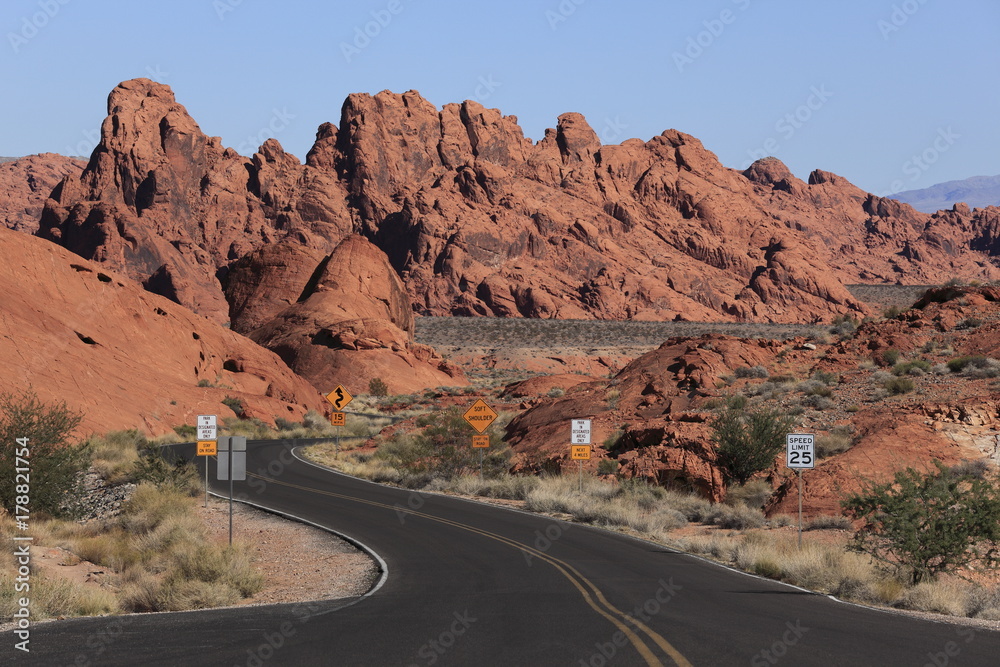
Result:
pixel 25 184
pixel 75 331
pixel 351 324
pixel 479 220
pixel 171 207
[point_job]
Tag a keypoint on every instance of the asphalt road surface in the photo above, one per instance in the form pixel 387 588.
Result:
pixel 470 584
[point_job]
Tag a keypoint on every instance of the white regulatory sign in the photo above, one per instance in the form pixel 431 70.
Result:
pixel 207 427
pixel 800 450
pixel 580 434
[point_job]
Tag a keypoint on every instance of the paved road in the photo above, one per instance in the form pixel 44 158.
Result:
pixel 469 584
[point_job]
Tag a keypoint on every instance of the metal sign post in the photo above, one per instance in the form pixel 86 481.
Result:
pixel 800 453
pixel 207 426
pixel 480 442
pixel 232 466
pixel 580 453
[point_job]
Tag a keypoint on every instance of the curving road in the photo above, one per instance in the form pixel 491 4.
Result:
pixel 472 584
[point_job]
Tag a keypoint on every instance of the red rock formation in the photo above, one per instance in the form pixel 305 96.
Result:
pixel 479 220
pixel 354 323
pixel 27 182
pixel 77 332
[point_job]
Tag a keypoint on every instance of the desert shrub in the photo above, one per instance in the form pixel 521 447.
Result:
pixel 914 367
pixel 115 455
pixel 748 440
pixel 889 357
pixel 817 402
pixel 843 325
pixel 556 392
pixel 828 522
pixel 39 433
pixel 612 397
pixel 898 385
pixel 752 494
pixel 959 364
pixel 928 523
pixel 204 383
pixel 186 430
pixel 990 368
pixel 975 468
pixel 826 377
pixel 815 388
pixel 969 323
pixel 751 372
pixel 607 467
pixel 234 404
pixel 782 379
pixel 833 443
pixel 892 312
pixel 737 517
pixel 378 387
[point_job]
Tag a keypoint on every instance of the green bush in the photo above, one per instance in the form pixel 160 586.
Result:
pixel 928 523
pixel 748 440
pixel 234 404
pixel 52 459
pixel 898 385
pixel 607 467
pixel 890 357
pixel 378 387
pixel 915 367
pixel 959 364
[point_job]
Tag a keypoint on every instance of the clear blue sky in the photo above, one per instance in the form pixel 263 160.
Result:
pixel 857 87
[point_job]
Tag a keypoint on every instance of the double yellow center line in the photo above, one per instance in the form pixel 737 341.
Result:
pixel 592 595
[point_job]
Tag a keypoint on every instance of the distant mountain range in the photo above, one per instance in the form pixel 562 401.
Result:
pixel 977 191
pixel 7 159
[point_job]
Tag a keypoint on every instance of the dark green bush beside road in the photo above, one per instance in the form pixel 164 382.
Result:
pixel 928 524
pixel 53 461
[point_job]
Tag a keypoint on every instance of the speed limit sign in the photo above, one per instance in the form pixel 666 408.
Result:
pixel 800 451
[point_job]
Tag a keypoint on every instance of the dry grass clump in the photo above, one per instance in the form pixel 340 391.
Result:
pixel 114 456
pixel 52 597
pixel 162 556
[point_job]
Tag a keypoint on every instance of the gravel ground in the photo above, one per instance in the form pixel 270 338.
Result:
pixel 300 562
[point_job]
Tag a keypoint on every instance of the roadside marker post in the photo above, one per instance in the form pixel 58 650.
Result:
pixel 579 436
pixel 480 416
pixel 232 466
pixel 480 442
pixel 339 398
pixel 800 453
pixel 207 426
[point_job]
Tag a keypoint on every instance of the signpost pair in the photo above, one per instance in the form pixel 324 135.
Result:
pixel 232 458
pixel 480 416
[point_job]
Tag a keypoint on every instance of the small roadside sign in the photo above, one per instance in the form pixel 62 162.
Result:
pixel 338 419
pixel 480 415
pixel 580 452
pixel 207 427
pixel 207 447
pixel 339 397
pixel 800 450
pixel 480 441
pixel 580 432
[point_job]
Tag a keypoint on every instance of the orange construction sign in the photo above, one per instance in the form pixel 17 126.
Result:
pixel 207 447
pixel 338 419
pixel 480 441
pixel 480 415
pixel 579 452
